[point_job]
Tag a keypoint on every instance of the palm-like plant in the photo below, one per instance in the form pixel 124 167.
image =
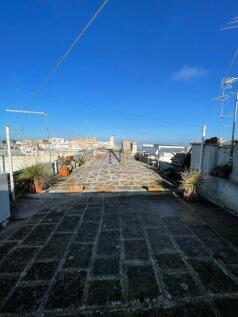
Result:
pixel 80 160
pixel 36 174
pixel 190 184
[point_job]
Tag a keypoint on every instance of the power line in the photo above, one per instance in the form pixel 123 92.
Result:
pixel 228 25
pixel 66 54
pixel 63 58
pixel 121 112
pixel 232 62
pixel 99 107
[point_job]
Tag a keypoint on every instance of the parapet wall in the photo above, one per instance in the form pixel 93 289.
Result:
pixel 213 156
pixel 223 192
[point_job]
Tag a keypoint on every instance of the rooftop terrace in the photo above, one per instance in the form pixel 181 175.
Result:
pixel 118 254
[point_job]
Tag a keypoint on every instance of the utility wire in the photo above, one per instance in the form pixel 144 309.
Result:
pixel 66 54
pixel 121 112
pixel 232 62
pixel 63 58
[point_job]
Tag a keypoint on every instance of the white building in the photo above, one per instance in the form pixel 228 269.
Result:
pixel 134 148
pixel 112 141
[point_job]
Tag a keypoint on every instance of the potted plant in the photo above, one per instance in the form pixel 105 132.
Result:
pixel 190 184
pixel 80 161
pixel 213 140
pixel 64 170
pixel 69 158
pixel 222 171
pixel 36 178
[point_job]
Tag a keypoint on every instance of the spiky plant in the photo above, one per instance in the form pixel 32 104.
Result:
pixel 64 162
pixel 190 183
pixel 80 160
pixel 36 173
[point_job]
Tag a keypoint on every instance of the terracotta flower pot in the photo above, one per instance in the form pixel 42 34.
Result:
pixel 38 187
pixel 69 158
pixel 64 171
pixel 189 195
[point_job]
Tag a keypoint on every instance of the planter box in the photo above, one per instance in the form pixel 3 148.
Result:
pixel 64 171
pixel 156 188
pixel 69 158
pixel 105 188
pixel 38 187
pixel 76 188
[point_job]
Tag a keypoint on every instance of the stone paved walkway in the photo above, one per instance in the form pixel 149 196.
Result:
pixel 114 255
pixel 129 175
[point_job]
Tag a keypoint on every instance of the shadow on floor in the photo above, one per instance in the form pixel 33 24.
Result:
pixel 119 254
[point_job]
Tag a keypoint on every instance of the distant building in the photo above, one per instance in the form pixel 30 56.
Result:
pixel 126 146
pixel 113 141
pixel 148 145
pixel 134 148
pixel 83 143
pixel 60 144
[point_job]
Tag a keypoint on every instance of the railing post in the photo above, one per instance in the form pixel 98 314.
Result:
pixel 202 147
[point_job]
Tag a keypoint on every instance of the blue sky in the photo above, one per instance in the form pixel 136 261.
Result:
pixel 146 70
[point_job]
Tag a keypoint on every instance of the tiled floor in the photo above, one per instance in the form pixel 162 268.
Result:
pixel 117 255
pixel 130 175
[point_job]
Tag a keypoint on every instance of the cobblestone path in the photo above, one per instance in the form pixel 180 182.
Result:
pixel 114 255
pixel 129 175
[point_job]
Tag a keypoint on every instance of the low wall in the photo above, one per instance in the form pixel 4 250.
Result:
pixel 213 156
pixel 223 192
pixel 234 173
pixel 21 161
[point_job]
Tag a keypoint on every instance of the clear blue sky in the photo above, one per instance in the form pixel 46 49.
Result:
pixel 143 68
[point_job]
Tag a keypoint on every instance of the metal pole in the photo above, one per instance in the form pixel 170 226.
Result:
pixel 10 162
pixel 221 116
pixel 202 147
pixel 47 133
pixel 234 127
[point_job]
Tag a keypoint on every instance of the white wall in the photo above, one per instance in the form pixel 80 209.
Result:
pixel 209 158
pixel 223 155
pixel 234 173
pixel 223 192
pixel 195 156
pixel 214 155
